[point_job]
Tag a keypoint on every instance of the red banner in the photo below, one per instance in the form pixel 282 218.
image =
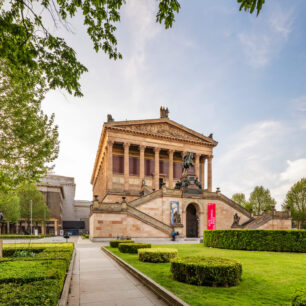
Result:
pixel 211 216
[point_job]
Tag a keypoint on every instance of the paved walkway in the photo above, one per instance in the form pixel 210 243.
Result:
pixel 98 280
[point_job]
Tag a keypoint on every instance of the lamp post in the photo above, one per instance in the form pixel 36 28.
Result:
pixel 31 204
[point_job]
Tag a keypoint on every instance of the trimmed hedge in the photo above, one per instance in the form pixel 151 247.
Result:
pixel 257 240
pixel 34 280
pixel 132 247
pixel 115 243
pixel 299 298
pixel 206 271
pixel 157 254
pixel 24 236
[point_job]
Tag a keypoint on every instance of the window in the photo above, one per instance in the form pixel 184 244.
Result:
pixel 149 167
pixel 134 166
pixel 118 164
pixel 164 167
pixel 177 170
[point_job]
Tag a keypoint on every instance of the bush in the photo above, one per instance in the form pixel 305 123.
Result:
pixel 206 271
pixel 115 243
pixel 132 247
pixel 24 236
pixel 257 240
pixel 85 236
pixel 299 298
pixel 157 255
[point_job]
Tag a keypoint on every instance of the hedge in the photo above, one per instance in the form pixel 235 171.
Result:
pixel 24 236
pixel 157 254
pixel 34 280
pixel 132 247
pixel 206 271
pixel 299 298
pixel 257 240
pixel 115 243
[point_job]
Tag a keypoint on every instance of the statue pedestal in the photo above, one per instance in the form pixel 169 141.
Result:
pixel 190 183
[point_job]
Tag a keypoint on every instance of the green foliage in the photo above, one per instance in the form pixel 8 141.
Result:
pixel 85 236
pixel 132 247
pixel 43 292
pixel 29 139
pixel 299 298
pixel 260 200
pixel 257 240
pixel 296 202
pixel 10 207
pixel 206 271
pixel 115 243
pixel 269 278
pixel 157 255
pixel 37 280
pixel 23 236
pixel 28 193
pixel 251 5
pixel 240 199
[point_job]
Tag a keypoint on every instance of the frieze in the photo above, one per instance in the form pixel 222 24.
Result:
pixel 161 130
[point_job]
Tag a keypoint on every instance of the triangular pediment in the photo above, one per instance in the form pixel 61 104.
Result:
pixel 166 129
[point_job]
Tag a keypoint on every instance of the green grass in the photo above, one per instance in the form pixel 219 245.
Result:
pixel 268 278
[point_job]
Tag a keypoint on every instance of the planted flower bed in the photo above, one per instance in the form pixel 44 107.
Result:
pixel 33 274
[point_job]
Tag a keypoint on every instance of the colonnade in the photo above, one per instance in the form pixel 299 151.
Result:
pixel 126 147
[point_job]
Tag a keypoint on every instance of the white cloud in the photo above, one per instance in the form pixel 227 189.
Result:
pixel 261 43
pixel 252 157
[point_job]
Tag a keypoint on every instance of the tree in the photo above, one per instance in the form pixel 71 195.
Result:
pixel 25 40
pixel 9 206
pixel 239 198
pixel 260 200
pixel 28 138
pixel 296 202
pixel 28 193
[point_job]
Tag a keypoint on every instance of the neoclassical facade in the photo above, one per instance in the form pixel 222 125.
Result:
pixel 134 180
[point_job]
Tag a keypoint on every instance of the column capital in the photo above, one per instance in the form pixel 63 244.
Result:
pixel 142 147
pixel 171 151
pixel 210 156
pixel 126 144
pixel 110 142
pixel 157 149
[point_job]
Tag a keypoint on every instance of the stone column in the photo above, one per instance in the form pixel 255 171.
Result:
pixel 126 165
pixel 197 165
pixel 202 179
pixel 156 169
pixel 141 163
pixel 171 168
pixel 209 173
pixel 109 173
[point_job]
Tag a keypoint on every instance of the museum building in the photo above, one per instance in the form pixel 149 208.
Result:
pixel 140 190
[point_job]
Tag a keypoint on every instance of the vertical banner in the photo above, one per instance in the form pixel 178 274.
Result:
pixel 174 205
pixel 211 215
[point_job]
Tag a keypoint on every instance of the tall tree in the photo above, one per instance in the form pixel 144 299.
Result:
pixel 296 202
pixel 25 40
pixel 28 137
pixel 28 193
pixel 240 199
pixel 10 208
pixel 261 200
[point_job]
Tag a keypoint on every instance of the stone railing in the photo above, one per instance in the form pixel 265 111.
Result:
pixel 146 198
pixel 149 220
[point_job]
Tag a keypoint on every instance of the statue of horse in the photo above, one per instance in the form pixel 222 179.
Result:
pixel 187 161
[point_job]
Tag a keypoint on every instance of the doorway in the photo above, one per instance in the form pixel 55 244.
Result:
pixel 191 221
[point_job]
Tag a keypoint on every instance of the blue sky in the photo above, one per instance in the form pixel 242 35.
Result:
pixel 218 70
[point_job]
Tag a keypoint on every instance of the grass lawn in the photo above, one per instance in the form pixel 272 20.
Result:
pixel 268 278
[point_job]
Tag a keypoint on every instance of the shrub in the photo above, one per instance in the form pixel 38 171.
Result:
pixel 257 240
pixel 206 271
pixel 115 243
pixel 85 236
pixel 299 298
pixel 157 255
pixel 24 236
pixel 132 247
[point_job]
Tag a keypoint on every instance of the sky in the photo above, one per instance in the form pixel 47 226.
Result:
pixel 218 70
